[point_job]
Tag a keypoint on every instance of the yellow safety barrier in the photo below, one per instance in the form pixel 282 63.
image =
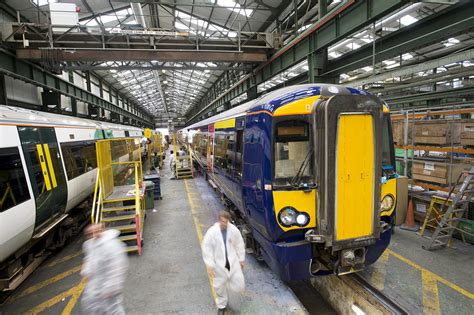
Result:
pixel 119 190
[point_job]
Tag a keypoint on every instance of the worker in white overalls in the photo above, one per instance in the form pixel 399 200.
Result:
pixel 223 250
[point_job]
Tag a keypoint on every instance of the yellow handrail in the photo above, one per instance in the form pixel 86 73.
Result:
pixel 95 195
pixel 138 220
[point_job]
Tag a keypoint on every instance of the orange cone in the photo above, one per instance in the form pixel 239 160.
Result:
pixel 410 224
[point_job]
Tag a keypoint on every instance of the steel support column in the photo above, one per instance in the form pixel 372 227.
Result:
pixel 317 64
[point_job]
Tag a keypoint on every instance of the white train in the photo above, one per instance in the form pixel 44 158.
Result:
pixel 47 168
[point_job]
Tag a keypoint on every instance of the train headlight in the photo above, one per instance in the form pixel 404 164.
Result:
pixel 302 219
pixel 387 203
pixel 288 217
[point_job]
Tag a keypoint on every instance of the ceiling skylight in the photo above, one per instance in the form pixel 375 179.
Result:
pixel 407 20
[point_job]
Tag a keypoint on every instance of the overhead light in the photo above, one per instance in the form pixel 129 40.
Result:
pixel 407 56
pixel 165 82
pixel 451 42
pixel 113 71
pixel 367 69
pixel 407 20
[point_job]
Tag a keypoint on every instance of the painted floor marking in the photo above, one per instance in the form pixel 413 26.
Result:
pixel 47 282
pixel 197 225
pixel 75 292
pixel 64 259
pixel 430 294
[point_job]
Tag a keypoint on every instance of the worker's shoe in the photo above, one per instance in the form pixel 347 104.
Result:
pixel 221 311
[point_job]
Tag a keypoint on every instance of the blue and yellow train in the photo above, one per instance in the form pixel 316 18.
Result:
pixel 308 172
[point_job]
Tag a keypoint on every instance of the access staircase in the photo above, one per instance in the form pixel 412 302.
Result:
pixel 120 207
pixel 448 220
pixel 183 163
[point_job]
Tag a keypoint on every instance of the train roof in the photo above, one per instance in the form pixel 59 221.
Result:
pixel 18 115
pixel 279 98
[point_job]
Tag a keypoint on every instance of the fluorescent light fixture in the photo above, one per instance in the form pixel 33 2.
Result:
pixel 389 62
pixel 367 69
pixel 407 56
pixel 344 76
pixel 407 20
pixel 367 39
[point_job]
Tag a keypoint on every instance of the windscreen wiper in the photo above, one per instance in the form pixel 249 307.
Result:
pixel 301 169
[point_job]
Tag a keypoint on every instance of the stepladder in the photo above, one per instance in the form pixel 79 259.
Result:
pixel 446 221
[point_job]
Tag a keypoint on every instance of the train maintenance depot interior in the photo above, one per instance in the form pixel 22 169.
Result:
pixel 236 157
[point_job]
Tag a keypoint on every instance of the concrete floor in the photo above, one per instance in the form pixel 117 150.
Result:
pixel 170 276
pixel 430 282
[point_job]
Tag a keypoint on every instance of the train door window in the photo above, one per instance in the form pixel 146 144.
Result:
pixel 127 134
pixel 291 151
pixel 13 187
pixel 239 147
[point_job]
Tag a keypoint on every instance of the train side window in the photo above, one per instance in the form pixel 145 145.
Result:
pixel 79 157
pixel 220 144
pixel 13 187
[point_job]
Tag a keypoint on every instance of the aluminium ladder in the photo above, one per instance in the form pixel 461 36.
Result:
pixel 453 215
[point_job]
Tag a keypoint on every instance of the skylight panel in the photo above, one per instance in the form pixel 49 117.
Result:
pixel 407 56
pixel 451 42
pixel 407 20
pixel 234 6
pixel 353 45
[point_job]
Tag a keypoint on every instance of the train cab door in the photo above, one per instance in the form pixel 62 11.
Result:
pixel 43 161
pixel 347 143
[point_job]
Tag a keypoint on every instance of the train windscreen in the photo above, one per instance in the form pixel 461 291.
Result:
pixel 292 144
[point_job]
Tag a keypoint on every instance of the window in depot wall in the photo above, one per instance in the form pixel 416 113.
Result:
pixel 13 186
pixel 39 2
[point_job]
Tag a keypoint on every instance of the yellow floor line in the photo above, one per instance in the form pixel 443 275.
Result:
pixel 197 224
pixel 432 275
pixel 64 259
pixel 49 281
pixel 380 271
pixel 73 292
pixel 430 296
pixel 76 293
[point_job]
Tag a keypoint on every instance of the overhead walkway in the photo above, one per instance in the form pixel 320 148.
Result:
pixel 120 190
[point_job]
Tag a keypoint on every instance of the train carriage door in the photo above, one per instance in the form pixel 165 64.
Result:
pixel 46 173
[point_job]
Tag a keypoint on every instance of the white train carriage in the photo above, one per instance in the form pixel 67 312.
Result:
pixel 47 167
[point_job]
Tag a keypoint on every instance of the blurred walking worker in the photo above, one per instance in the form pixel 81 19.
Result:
pixel 105 266
pixel 223 251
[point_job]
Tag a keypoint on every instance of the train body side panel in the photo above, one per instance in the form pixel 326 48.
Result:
pixel 18 222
